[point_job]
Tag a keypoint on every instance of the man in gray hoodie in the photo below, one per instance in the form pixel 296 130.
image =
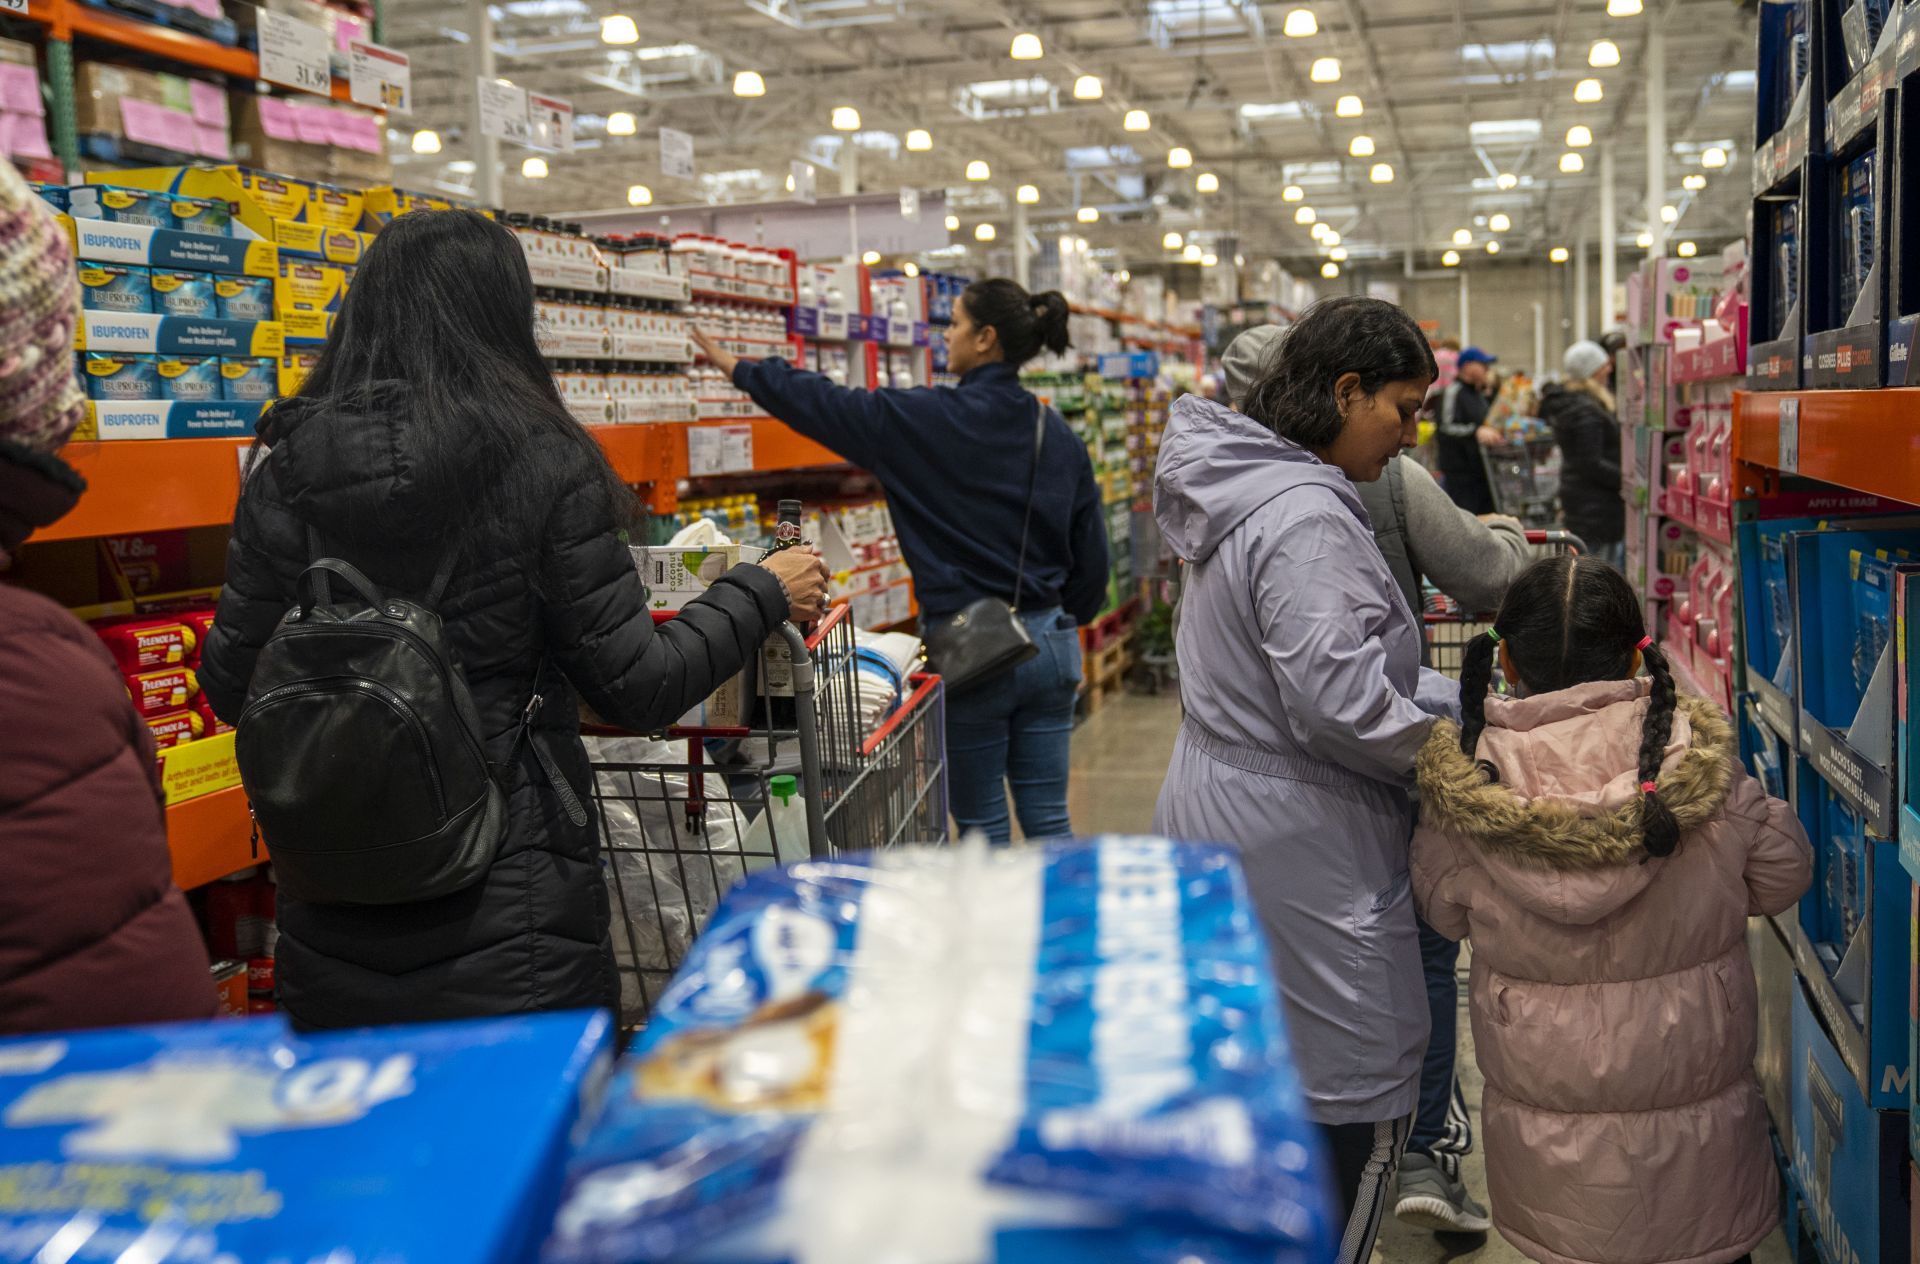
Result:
pixel 1422 533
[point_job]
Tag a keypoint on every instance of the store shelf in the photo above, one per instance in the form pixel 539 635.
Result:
pixel 643 453
pixel 140 485
pixel 68 20
pixel 1867 441
pixel 775 446
pixel 211 837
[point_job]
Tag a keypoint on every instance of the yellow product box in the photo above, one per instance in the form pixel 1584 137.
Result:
pixel 294 368
pixel 386 204
pixel 308 287
pixel 308 326
pixel 316 241
pixel 278 196
pixel 332 207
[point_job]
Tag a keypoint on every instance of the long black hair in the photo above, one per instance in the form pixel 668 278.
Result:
pixel 1294 394
pixel 1027 323
pixel 442 306
pixel 1565 622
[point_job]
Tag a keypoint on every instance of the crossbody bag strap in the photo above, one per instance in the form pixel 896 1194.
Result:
pixel 1033 482
pixel 562 789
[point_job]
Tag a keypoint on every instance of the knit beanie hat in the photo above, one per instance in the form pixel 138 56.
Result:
pixel 1583 360
pixel 40 399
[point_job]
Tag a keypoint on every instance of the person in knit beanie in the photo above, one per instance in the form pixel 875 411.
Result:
pixel 40 398
pixel 93 931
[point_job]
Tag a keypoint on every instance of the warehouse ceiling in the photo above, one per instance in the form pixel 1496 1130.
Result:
pixel 1470 108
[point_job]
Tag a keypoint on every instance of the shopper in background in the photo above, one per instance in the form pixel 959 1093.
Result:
pixel 93 932
pixel 1579 410
pixel 1424 535
pixel 1462 430
pixel 1302 686
pixel 431 428
pixel 1599 840
pixel 958 467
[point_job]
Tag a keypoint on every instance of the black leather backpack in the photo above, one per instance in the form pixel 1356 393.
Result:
pixel 360 750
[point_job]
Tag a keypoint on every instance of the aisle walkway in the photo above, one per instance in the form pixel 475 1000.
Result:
pixel 1119 759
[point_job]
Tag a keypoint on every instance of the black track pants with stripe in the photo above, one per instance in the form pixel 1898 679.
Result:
pixel 1365 1158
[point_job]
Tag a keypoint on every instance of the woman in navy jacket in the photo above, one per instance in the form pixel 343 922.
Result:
pixel 955 464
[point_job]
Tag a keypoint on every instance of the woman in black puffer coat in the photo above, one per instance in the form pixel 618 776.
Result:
pixel 431 425
pixel 1580 412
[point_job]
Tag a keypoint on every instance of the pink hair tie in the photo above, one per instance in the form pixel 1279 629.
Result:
pixel 1646 643
pixel 1649 787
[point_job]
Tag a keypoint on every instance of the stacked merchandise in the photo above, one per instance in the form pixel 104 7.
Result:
pixel 130 115
pixel 159 659
pixel 23 121
pixel 237 916
pixel 943 291
pixel 863 553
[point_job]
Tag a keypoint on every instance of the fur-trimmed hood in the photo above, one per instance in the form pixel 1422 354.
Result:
pixel 1560 826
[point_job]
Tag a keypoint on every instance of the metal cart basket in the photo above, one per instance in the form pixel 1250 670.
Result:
pixel 1449 628
pixel 1524 477
pixel 683 816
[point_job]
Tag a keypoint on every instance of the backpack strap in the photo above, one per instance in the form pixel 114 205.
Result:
pixel 569 801
pixel 317 579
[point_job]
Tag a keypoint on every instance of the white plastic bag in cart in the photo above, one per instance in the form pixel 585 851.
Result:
pixel 667 868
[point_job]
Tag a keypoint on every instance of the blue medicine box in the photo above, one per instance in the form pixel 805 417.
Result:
pixel 402 1145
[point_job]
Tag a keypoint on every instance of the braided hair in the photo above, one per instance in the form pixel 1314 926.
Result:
pixel 1568 622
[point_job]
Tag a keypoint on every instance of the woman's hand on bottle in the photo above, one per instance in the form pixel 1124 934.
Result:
pixel 717 355
pixel 804 573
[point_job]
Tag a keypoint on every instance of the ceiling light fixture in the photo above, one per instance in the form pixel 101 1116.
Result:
pixel 1193 253
pixel 426 141
pixel 1559 254
pixel 1299 24
pixel 534 168
pixel 846 119
pixel 1361 146
pixel 1644 240
pixel 953 223
pixel 1382 173
pixel 1330 238
pixel 1304 215
pixel 1603 54
pixel 1588 92
pixel 1329 269
pixel 983 232
pixel 1493 247
pixel 911 268
pixel 1207 182
pixel 1088 215
pixel 1088 88
pixel 1320 230
pixel 618 28
pixel 1463 236
pixel 1338 254
pixel 1137 121
pixel 1686 250
pixel 1694 183
pixel 1325 70
pixel 748 83
pixel 1669 213
pixel 1172 241
pixel 978 170
pixel 1579 136
pixel 1026 195
pixel 1026 47
pixel 621 123
pixel 639 195
pixel 1623 8
pixel 1572 164
pixel 919 140
pixel 1499 222
pixel 1713 156
pixel 1451 259
pixel 1506 180
pixel 870 258
pixel 1349 107
pixel 1209 261
pixel 1179 156
pixel 1292 193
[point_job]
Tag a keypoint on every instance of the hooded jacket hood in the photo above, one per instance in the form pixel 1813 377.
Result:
pixel 361 466
pixel 1217 467
pixel 1559 830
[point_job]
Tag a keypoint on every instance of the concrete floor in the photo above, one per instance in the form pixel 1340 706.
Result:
pixel 1119 759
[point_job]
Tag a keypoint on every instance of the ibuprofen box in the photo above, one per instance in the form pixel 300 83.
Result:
pixel 246 1142
pixel 113 287
pixel 116 376
pixel 244 297
pixel 250 378
pixel 194 379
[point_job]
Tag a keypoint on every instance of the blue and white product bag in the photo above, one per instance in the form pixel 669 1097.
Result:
pixel 1063 1053
pixel 237 1142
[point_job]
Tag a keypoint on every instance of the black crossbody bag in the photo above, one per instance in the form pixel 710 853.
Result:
pixel 987 639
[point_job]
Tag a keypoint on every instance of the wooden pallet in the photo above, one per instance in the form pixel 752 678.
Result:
pixel 1105 673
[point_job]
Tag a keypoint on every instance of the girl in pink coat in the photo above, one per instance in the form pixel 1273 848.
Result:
pixel 1601 844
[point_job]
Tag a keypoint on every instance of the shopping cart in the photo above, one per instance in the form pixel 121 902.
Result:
pixel 1524 477
pixel 685 815
pixel 1449 628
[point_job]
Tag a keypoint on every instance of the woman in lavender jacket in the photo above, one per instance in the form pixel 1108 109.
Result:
pixel 1305 706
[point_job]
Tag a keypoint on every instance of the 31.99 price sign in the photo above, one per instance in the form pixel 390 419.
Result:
pixel 295 53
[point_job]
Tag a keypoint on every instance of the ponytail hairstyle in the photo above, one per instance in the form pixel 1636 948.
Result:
pixel 1027 323
pixel 1565 622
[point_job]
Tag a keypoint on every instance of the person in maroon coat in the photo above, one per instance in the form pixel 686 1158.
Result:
pixel 93 931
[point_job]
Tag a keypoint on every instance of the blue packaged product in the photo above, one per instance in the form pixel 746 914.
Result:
pixel 1875 579
pixel 1070 1052
pixel 192 378
pixel 111 375
pixel 184 294
pixel 115 287
pixel 244 297
pixel 250 378
pixel 240 1141
pixel 1778 631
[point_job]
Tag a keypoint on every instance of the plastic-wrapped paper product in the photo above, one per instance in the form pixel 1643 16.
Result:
pixel 237 1142
pixel 963 1056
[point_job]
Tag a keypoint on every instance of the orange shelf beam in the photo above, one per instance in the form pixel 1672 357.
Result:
pixel 68 20
pixel 211 837
pixel 137 485
pixel 1867 441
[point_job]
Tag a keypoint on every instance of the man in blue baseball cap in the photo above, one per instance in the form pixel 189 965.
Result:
pixel 1463 430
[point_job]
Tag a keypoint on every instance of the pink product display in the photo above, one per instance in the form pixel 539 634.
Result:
pixel 167 128
pixel 304 124
pixel 1700 629
pixel 23 123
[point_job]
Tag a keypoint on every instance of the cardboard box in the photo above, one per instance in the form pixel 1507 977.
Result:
pixel 676 576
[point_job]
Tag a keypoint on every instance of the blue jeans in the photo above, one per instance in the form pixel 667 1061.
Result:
pixel 1017 728
pixel 1442 1129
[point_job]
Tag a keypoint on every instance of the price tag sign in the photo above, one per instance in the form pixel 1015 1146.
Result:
pixel 1789 436
pixel 801 173
pixel 295 54
pixel 676 154
pixel 503 111
pixel 552 122
pixel 381 77
pixel 719 450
